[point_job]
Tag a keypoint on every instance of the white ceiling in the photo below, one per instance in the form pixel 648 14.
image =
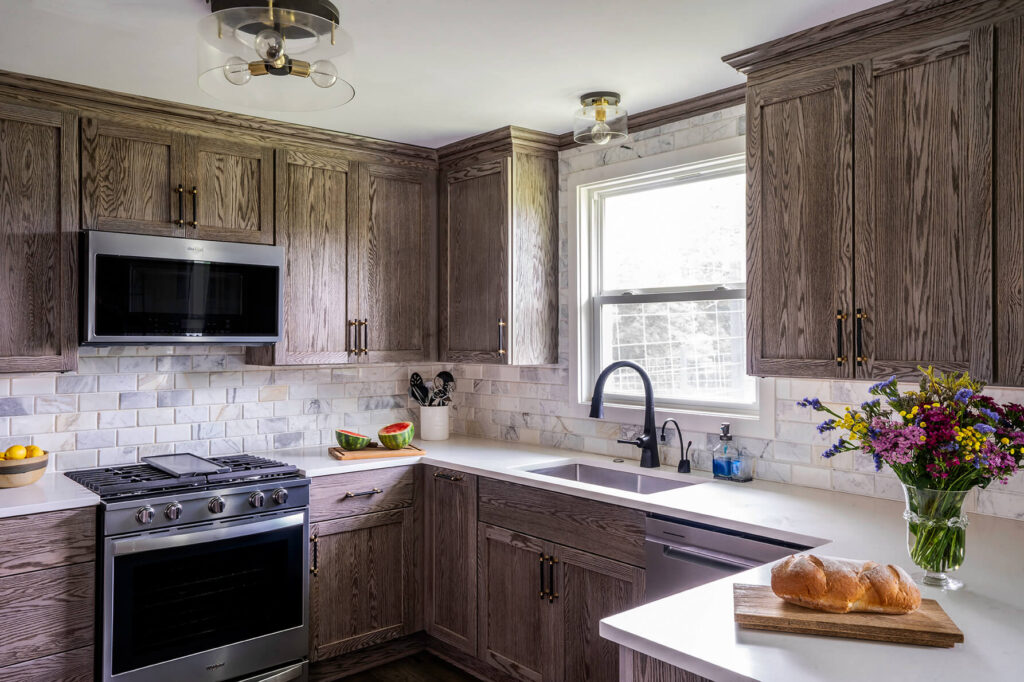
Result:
pixel 430 72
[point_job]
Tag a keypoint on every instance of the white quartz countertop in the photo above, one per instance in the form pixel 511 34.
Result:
pixel 53 492
pixel 694 630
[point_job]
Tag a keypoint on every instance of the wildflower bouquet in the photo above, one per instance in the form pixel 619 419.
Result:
pixel 941 441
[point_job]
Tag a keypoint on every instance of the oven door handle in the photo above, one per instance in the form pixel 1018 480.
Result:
pixel 702 555
pixel 149 543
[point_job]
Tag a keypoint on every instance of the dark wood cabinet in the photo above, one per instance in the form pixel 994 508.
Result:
pixel 517 622
pixel 363 588
pixel 146 179
pixel 38 245
pixel 233 182
pixel 393 266
pixel 450 529
pixel 499 249
pixel 800 225
pixel 923 257
pixel 315 193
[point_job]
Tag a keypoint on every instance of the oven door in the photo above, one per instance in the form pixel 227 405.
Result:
pixel 207 602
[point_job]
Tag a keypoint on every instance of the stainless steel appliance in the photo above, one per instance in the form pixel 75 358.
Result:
pixel 683 554
pixel 203 569
pixel 141 289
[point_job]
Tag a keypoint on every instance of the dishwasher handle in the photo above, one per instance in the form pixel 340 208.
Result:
pixel 703 556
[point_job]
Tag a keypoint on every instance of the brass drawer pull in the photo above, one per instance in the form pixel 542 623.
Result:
pixel 501 336
pixel 543 592
pixel 195 199
pixel 315 568
pixel 840 317
pixel 860 317
pixel 552 594
pixel 447 477
pixel 362 494
pixel 181 206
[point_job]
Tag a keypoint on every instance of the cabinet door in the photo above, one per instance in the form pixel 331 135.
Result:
pixel 451 534
pixel 516 628
pixel 363 587
pixel 130 178
pixel 924 207
pixel 38 245
pixel 314 192
pixel 395 257
pixel 800 226
pixel 233 185
pixel 590 588
pixel 475 216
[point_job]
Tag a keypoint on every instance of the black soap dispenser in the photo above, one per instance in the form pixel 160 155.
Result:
pixel 723 457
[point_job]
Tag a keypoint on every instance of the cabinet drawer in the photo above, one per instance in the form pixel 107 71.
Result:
pixel 361 492
pixel 39 541
pixel 597 527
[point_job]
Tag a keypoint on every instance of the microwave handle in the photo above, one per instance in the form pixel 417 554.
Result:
pixel 136 545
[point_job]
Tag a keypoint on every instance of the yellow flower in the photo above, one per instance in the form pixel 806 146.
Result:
pixel 1005 441
pixel 923 438
pixel 903 413
pixel 968 458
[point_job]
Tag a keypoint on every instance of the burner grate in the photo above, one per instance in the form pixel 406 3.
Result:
pixel 140 478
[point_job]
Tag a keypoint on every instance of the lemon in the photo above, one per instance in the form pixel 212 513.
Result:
pixel 15 452
pixel 34 451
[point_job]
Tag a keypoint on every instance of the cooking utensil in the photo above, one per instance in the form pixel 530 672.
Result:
pixel 417 389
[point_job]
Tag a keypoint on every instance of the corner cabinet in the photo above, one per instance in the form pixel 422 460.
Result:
pixel 870 197
pixel 38 240
pixel 499 249
pixel 142 178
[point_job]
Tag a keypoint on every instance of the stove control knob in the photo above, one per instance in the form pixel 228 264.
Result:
pixel 280 496
pixel 256 499
pixel 144 515
pixel 216 505
pixel 173 511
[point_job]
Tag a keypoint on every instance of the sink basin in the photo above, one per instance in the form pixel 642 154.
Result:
pixel 611 478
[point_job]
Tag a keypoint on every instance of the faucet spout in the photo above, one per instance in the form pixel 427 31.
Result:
pixel 648 442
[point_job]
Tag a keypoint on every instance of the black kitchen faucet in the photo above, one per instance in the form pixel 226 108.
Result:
pixel 648 442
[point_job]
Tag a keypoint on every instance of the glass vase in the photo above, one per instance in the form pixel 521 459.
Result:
pixel 936 532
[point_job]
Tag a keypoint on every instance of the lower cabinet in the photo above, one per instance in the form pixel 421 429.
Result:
pixel 540 605
pixel 363 585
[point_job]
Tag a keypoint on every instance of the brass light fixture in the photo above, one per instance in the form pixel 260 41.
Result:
pixel 600 120
pixel 244 44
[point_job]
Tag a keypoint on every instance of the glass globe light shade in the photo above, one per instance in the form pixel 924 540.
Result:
pixel 600 133
pixel 236 71
pixel 601 120
pixel 323 73
pixel 269 45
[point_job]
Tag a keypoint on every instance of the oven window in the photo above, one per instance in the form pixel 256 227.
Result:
pixel 174 602
pixel 158 297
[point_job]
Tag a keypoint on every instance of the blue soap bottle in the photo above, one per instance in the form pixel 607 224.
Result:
pixel 723 459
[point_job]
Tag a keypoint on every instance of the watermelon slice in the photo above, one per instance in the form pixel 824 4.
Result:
pixel 396 436
pixel 350 440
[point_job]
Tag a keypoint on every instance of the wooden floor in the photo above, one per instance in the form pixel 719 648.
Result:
pixel 421 667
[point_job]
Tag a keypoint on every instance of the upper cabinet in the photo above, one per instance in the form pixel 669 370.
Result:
pixel 150 180
pixel 38 246
pixel 870 203
pixel 499 249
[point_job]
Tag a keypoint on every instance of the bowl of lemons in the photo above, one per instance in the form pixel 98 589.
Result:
pixel 22 465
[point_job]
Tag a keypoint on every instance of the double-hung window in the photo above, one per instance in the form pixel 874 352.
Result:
pixel 666 285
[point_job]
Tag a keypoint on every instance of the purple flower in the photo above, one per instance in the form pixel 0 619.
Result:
pixel 882 385
pixel 984 428
pixel 963 395
pixel 827 425
pixel 812 403
pixel 841 446
pixel 870 403
pixel 989 413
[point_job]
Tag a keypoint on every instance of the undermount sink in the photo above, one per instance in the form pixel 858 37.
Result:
pixel 611 478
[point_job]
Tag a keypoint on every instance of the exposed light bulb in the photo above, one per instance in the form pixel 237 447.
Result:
pixel 600 133
pixel 236 70
pixel 323 73
pixel 269 45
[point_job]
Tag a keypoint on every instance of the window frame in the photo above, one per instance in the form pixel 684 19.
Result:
pixel 697 162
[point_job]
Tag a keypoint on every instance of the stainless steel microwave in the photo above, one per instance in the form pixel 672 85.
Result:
pixel 146 290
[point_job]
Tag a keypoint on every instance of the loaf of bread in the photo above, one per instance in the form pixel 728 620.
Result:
pixel 844 585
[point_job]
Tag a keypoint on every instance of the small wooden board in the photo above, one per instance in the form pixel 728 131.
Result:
pixel 757 607
pixel 374 451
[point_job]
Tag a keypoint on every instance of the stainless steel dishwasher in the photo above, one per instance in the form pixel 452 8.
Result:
pixel 683 554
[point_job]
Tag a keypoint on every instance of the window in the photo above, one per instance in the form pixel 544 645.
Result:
pixel 666 285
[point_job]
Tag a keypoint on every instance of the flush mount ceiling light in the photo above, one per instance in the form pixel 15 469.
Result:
pixel 601 120
pixel 277 55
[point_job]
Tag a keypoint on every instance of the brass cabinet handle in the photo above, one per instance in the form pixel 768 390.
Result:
pixel 501 336
pixel 543 592
pixel 366 337
pixel 860 317
pixel 447 477
pixel 361 347
pixel 195 200
pixel 365 493
pixel 840 317
pixel 353 333
pixel 552 595
pixel 315 568
pixel 181 206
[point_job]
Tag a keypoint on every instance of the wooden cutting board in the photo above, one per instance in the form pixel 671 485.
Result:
pixel 373 451
pixel 757 607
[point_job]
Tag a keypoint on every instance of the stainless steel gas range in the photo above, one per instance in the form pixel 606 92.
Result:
pixel 203 569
